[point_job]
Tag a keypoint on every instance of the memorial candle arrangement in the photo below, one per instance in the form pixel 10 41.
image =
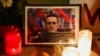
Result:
pixel 83 47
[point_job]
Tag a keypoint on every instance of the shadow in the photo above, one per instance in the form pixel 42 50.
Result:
pixel 2 47
pixel 95 48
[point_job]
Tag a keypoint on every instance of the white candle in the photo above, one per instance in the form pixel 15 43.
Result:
pixel 84 42
pixel 70 51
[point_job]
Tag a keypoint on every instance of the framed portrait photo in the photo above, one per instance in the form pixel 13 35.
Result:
pixel 51 24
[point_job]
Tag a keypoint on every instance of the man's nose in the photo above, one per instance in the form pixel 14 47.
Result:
pixel 51 24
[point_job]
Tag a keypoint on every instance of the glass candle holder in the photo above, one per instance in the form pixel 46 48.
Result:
pixel 13 41
pixel 70 51
pixel 84 42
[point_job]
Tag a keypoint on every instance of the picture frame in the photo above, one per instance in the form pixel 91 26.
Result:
pixel 69 24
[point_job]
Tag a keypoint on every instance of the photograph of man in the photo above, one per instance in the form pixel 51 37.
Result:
pixel 47 25
pixel 51 27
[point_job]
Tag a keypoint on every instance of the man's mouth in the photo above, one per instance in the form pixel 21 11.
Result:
pixel 51 28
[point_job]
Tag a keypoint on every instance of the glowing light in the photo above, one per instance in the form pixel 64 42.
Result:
pixel 60 42
pixel 70 51
pixel 84 42
pixel 72 41
pixel 13 49
pixel 13 41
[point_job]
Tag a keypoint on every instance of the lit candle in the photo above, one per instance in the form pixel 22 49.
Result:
pixel 84 42
pixel 70 51
pixel 12 41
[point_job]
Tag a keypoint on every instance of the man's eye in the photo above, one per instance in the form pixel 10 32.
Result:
pixel 51 23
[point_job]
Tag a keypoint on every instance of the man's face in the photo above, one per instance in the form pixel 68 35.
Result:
pixel 52 24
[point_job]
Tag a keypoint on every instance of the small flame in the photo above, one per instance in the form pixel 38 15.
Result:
pixel 60 42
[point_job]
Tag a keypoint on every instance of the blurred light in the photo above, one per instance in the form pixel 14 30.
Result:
pixel 13 41
pixel 60 42
pixel 84 42
pixel 70 51
pixel 72 41
pixel 13 49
